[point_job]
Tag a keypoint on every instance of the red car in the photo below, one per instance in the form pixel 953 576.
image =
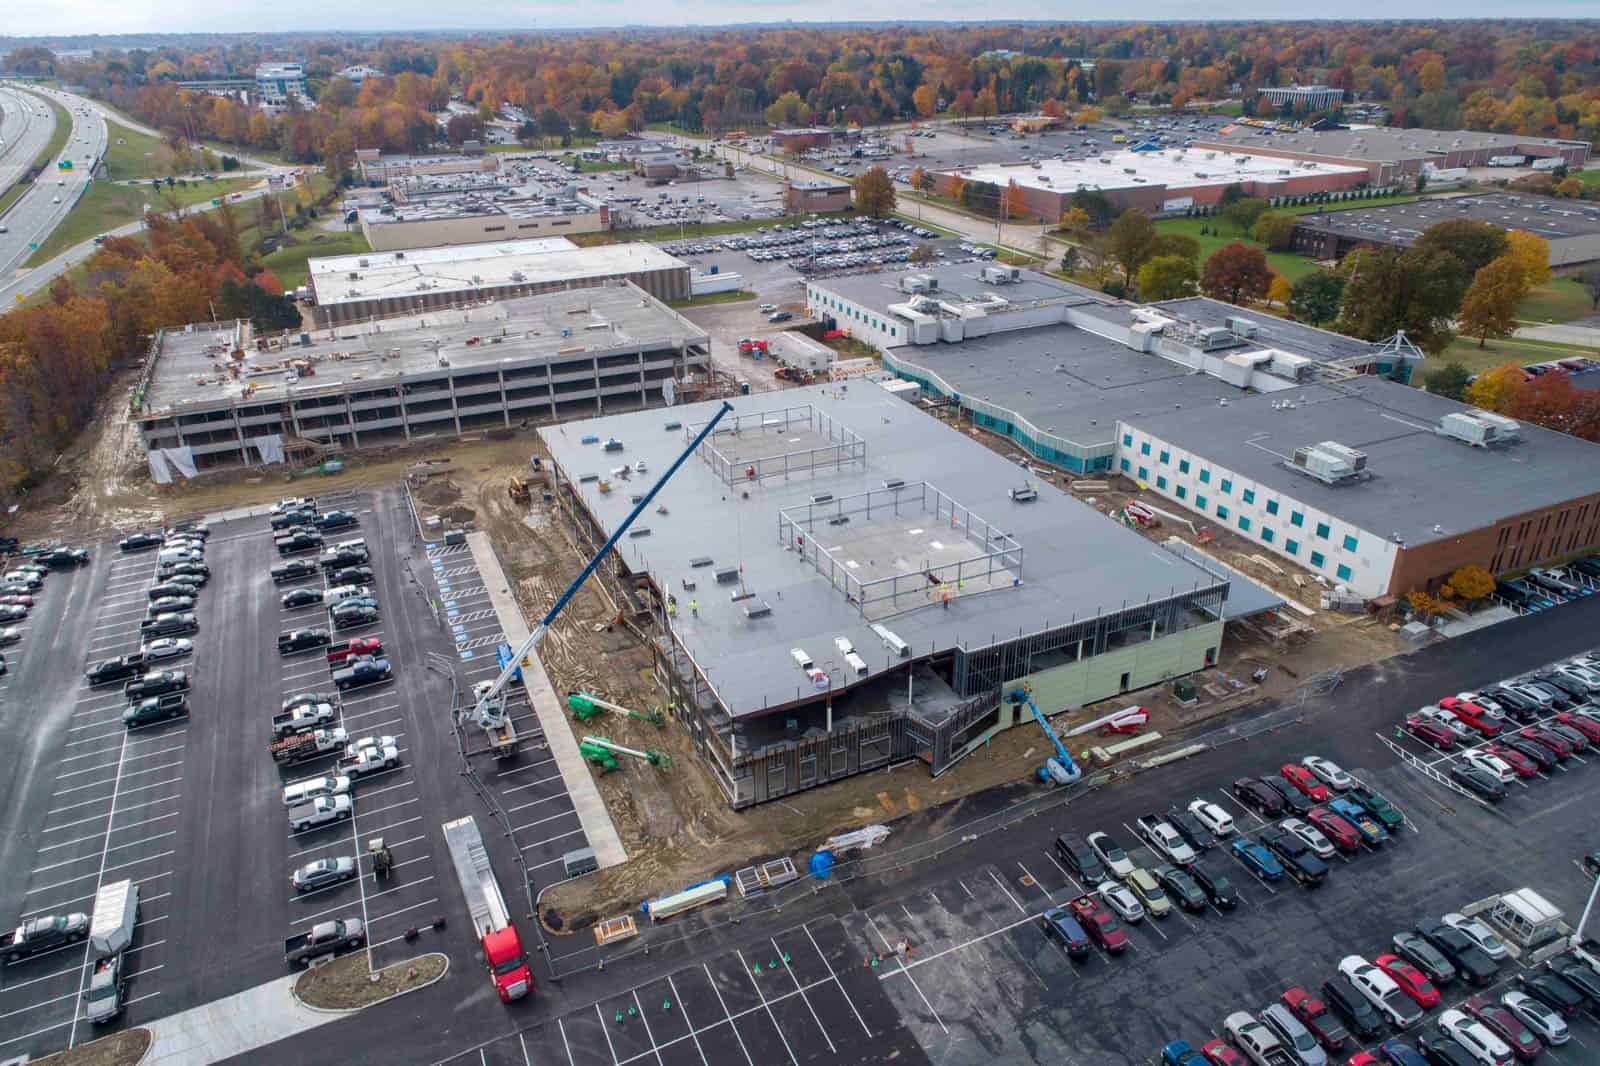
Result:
pixel 1430 732
pixel 1302 780
pixel 1100 924
pixel 1411 980
pixel 1502 1023
pixel 1471 714
pixel 1312 1013
pixel 1361 1058
pixel 1559 746
pixel 1336 828
pixel 1582 723
pixel 1524 766
pixel 1219 1053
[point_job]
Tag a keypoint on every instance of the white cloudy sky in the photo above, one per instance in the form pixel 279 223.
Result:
pixel 30 17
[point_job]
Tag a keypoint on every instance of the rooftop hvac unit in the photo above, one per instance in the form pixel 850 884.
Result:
pixel 894 483
pixel 1243 327
pixel 728 576
pixel 1212 338
pixel 361 262
pixel 896 646
pixel 758 610
pixel 1001 275
pixel 1329 462
pixel 1479 428
pixel 801 659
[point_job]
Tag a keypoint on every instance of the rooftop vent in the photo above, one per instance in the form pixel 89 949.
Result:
pixel 1330 462
pixel 894 483
pixel 727 576
pixel 1241 326
pixel 753 611
pixel 1480 429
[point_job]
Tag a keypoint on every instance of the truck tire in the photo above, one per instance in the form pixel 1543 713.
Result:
pixel 343 815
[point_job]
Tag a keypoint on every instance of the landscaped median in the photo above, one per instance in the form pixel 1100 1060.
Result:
pixel 119 1049
pixel 349 984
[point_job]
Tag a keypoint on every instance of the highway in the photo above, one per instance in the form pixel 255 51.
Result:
pixel 23 134
pixel 37 213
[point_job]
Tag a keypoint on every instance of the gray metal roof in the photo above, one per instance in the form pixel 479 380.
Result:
pixel 1571 226
pixel 957 282
pixel 1378 144
pixel 1076 563
pixel 1424 487
pixel 1271 332
pixel 1065 380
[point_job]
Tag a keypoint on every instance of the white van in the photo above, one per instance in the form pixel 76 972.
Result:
pixel 180 555
pixel 315 788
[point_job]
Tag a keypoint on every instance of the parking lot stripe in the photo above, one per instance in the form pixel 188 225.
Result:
pixel 528 766
pixel 531 784
pixel 99 876
pixel 396 825
pixel 996 878
pixel 1073 881
pixel 904 969
pixel 40 1003
pixel 69 862
pixel 300 920
pixel 643 1018
pixel 798 987
pixel 36 980
pixel 541 821
pixel 806 928
pixel 552 840
pixel 403 910
pixel 63 904
pixel 568 1046
pixel 693 1034
pixel 535 803
pixel 728 1016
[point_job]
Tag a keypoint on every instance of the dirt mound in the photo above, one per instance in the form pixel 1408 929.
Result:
pixel 437 492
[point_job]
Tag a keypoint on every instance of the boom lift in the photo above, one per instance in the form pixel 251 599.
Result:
pixel 586 705
pixel 489 713
pixel 1061 770
pixel 603 753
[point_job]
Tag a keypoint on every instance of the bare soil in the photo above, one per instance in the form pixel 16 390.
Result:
pixel 119 1049
pixel 348 983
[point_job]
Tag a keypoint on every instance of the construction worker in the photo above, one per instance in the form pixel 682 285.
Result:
pixel 694 608
pixel 947 599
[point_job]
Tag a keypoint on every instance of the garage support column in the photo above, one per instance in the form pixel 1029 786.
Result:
pixel 350 416
pixel 505 404
pixel 238 431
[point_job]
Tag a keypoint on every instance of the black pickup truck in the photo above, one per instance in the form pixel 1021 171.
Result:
pixel 119 669
pixel 362 672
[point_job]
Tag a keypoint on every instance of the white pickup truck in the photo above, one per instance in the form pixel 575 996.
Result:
pixel 320 811
pixel 369 759
pixel 305 717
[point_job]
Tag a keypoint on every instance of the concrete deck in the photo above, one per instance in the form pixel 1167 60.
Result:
pixel 591 808
pixel 223 1028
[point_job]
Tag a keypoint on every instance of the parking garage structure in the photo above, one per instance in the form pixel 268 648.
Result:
pixel 220 395
pixel 839 582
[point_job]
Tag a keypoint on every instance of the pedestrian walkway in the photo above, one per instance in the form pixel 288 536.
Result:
pixel 213 1032
pixel 585 794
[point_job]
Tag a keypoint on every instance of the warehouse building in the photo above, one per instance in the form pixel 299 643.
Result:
pixel 1307 97
pixel 1198 401
pixel 220 395
pixel 377 168
pixel 425 209
pixel 358 288
pixel 837 582
pixel 1154 181
pixel 797 141
pixel 816 196
pixel 1572 227
pixel 1390 154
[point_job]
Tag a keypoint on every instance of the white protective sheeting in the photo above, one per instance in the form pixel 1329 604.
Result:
pixel 269 446
pixel 160 472
pixel 182 460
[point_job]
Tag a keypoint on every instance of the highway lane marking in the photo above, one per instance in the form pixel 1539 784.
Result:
pixel 552 840
pixel 904 969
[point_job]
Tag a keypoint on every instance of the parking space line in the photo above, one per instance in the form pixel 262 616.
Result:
pixel 520 769
pixel 36 980
pixel 105 851
pixel 693 1035
pixel 728 1016
pixel 129 844
pixel 535 803
pixel 1229 797
pixel 531 784
pixel 402 910
pixel 609 1045
pixel 904 969
pixel 552 840
pixel 798 987
pixel 40 1003
pixel 996 878
pixel 1073 881
pixel 541 821
pixel 647 1032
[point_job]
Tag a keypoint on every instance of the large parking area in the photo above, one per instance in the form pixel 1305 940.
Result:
pixel 192 809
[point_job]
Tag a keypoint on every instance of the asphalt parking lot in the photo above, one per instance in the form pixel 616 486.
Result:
pixel 192 810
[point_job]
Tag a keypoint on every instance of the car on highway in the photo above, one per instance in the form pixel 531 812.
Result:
pixel 1351 1006
pixel 1371 832
pixel 1060 926
pixel 166 648
pixel 1469 960
pixel 1479 782
pixel 1257 859
pixel 1304 781
pixel 1314 1014
pixel 1328 772
pixel 1110 853
pixel 1320 845
pixel 1213 817
pixel 1474 1036
pixel 1150 893
pixel 1218 889
pixel 1335 828
pixel 324 872
pixel 45 933
pixel 1544 1021
pixel 1499 1020
pixel 1259 797
pixel 1411 980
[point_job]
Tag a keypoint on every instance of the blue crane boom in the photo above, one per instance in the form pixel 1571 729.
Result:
pixel 487 710
pixel 1061 769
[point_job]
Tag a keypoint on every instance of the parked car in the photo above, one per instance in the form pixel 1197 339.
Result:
pixel 1320 845
pixel 1259 797
pixel 1499 1020
pixel 1218 889
pixel 1150 893
pixel 1353 1007
pixel 1412 981
pixel 1479 782
pixel 1481 1044
pixel 1469 960
pixel 165 648
pixel 1544 1021
pixel 301 597
pixel 1312 1013
pixel 1294 800
pixel 1258 1042
pixel 1219 821
pixel 1075 853
pixel 1060 926
pixel 1194 830
pixel 1299 1040
pixel 1257 859
pixel 1328 772
pixel 1180 886
pixel 1295 855
pixel 324 872
pixel 1335 828
pixel 1427 958
pixel 1304 781
pixel 1110 853
pixel 1371 832
pixel 1120 898
pixel 138 542
pixel 1518 763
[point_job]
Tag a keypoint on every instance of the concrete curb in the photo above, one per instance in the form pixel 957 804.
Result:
pixel 339 1011
pixel 586 798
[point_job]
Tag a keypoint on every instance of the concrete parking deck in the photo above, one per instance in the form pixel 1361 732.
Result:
pixel 592 813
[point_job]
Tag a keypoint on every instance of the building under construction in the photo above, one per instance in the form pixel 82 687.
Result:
pixel 221 395
pixel 838 581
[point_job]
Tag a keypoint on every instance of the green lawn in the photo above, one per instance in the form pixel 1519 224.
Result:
pixel 104 206
pixel 1558 300
pixel 1288 264
pixel 734 296
pixel 1588 177
pixel 289 263
pixel 1465 350
pixel 127 151
pixel 595 166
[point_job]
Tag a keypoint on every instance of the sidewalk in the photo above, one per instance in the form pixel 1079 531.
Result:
pixel 591 808
pixel 227 1027
pixel 1571 333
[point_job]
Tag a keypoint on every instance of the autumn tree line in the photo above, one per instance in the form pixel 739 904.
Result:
pixel 1535 77
pixel 57 357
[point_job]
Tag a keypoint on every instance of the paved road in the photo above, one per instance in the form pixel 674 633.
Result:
pixel 40 210
pixel 23 134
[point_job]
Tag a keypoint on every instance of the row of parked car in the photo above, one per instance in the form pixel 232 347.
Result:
pixel 1517 729
pixel 24 576
pixel 1550 587
pixel 1369 1000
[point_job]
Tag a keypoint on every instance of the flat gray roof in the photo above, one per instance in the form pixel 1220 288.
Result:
pixel 1075 562
pixel 1571 226
pixel 192 367
pixel 466 268
pixel 1066 381
pixel 1320 345
pixel 1424 487
pixel 1245 597
pixel 1380 144
pixel 957 282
